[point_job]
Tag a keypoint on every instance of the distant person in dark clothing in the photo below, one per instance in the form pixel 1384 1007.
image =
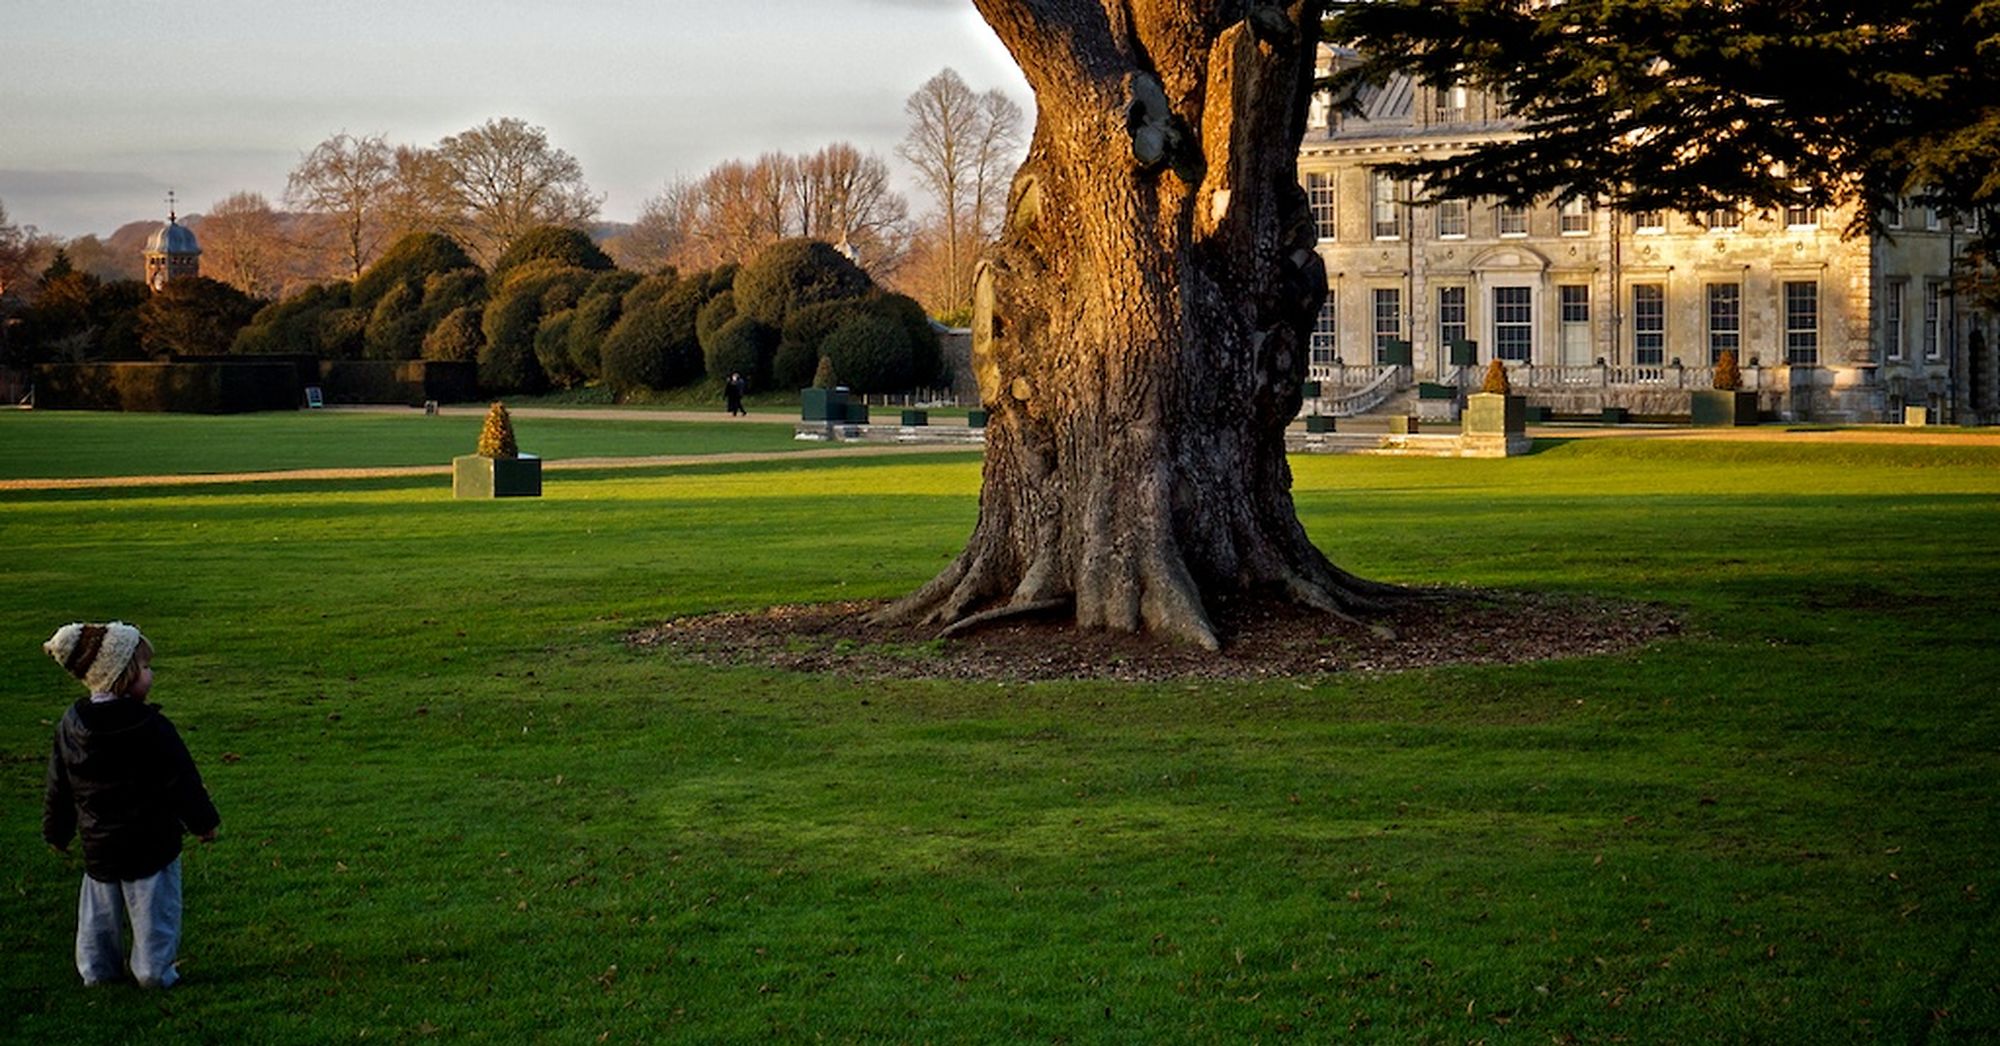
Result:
pixel 120 776
pixel 732 394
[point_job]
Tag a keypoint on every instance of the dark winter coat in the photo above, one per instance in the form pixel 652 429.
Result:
pixel 120 776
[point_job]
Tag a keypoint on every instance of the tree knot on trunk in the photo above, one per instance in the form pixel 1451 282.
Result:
pixel 1160 138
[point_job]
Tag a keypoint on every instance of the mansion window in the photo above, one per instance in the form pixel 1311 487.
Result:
pixel 1801 217
pixel 1573 311
pixel 1649 324
pixel 1893 293
pixel 1892 218
pixel 1453 219
pixel 1725 320
pixel 1513 221
pixel 1802 322
pixel 1388 320
pixel 1933 320
pixel 1452 326
pixel 1321 194
pixel 1574 217
pixel 1452 103
pixel 1388 218
pixel 1513 323
pixel 1724 219
pixel 1652 222
pixel 1324 349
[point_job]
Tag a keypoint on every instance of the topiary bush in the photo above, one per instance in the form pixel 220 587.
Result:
pixel 805 331
pixel 823 376
pixel 293 324
pixel 395 326
pixel 496 436
pixel 341 334
pixel 595 315
pixel 513 317
pixel 1728 377
pixel 652 347
pixel 1496 379
pixel 715 312
pixel 410 261
pixel 743 346
pixel 871 353
pixel 926 353
pixel 791 274
pixel 552 349
pixel 567 248
pixel 457 338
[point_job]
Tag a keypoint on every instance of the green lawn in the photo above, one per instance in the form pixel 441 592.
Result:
pixel 58 444
pixel 455 804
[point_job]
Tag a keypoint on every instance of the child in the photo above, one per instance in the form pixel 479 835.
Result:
pixel 120 773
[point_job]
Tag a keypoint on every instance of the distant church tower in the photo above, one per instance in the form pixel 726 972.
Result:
pixel 172 252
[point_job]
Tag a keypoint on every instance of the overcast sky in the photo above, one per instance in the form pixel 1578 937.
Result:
pixel 107 104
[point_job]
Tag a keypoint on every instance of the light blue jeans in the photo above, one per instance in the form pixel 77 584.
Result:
pixel 154 906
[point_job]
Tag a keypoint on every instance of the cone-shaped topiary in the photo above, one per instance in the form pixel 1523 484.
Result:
pixel 1496 379
pixel 1727 377
pixel 823 375
pixel 496 437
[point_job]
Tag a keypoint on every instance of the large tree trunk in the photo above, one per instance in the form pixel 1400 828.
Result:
pixel 1140 331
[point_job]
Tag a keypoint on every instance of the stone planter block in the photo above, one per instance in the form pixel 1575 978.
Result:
pixel 1916 417
pixel 1722 408
pixel 1310 390
pixel 822 405
pixel 1616 415
pixel 1319 423
pixel 1464 353
pixel 1403 425
pixel 1536 415
pixel 912 418
pixel 1491 414
pixel 475 477
pixel 975 419
pixel 1397 353
pixel 1436 390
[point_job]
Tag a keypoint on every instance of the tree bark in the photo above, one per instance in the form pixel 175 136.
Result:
pixel 1140 330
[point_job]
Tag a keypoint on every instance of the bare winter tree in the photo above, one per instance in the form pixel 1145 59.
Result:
pixel 343 179
pixel 837 194
pixel 1140 330
pixel 420 196
pixel 506 178
pixel 964 147
pixel 843 196
pixel 243 245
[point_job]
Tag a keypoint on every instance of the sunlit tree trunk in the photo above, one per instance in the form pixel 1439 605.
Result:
pixel 1140 331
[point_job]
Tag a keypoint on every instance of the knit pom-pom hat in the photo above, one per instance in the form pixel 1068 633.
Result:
pixel 96 654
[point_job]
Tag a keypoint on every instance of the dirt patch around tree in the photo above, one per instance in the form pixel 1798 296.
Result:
pixel 1444 626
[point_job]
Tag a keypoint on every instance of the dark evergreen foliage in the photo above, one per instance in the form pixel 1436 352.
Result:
pixel 743 346
pixel 293 324
pixel 409 261
pixel 715 312
pixel 1658 105
pixel 871 353
pixel 193 316
pixel 794 273
pixel 456 338
pixel 565 247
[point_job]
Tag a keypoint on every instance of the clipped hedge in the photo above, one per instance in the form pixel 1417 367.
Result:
pixel 743 346
pixel 233 387
pixel 398 381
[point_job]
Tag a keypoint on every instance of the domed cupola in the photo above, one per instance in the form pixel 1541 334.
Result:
pixel 171 252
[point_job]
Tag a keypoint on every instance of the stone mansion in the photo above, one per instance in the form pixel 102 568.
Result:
pixel 1591 308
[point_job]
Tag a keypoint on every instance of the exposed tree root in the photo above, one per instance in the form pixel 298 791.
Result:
pixel 1007 613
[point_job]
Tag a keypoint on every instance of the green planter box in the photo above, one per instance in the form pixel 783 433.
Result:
pixel 1491 414
pixel 475 477
pixel 1319 423
pixel 1534 415
pixel 1310 390
pixel 975 419
pixel 1464 353
pixel 1722 408
pixel 1402 425
pixel 822 405
pixel 854 414
pixel 912 418
pixel 1616 415
pixel 1432 390
pixel 1397 353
